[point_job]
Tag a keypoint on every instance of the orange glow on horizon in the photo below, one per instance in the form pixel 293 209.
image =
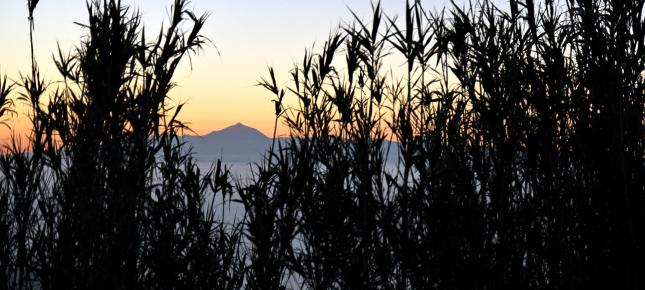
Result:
pixel 219 84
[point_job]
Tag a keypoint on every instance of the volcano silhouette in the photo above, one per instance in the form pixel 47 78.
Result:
pixel 237 143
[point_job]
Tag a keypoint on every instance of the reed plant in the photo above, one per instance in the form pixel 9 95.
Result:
pixel 106 195
pixel 475 147
pixel 519 135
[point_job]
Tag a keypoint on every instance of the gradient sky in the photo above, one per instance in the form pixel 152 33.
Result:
pixel 248 34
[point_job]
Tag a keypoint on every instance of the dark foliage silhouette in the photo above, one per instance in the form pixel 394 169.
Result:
pixel 107 197
pixel 477 147
pixel 520 152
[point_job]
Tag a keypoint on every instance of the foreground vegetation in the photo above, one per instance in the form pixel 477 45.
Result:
pixel 520 159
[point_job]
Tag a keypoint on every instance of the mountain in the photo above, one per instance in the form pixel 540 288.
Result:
pixel 237 143
pixel 242 144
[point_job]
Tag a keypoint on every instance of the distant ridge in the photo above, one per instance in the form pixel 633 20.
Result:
pixel 236 130
pixel 236 143
pixel 240 143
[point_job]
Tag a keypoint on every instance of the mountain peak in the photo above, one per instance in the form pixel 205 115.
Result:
pixel 237 142
pixel 238 125
pixel 238 130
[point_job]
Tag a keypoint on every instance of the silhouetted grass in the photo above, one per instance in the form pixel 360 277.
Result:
pixel 520 150
pixel 519 159
pixel 107 197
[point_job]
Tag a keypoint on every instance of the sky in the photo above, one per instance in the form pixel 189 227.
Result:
pixel 247 36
